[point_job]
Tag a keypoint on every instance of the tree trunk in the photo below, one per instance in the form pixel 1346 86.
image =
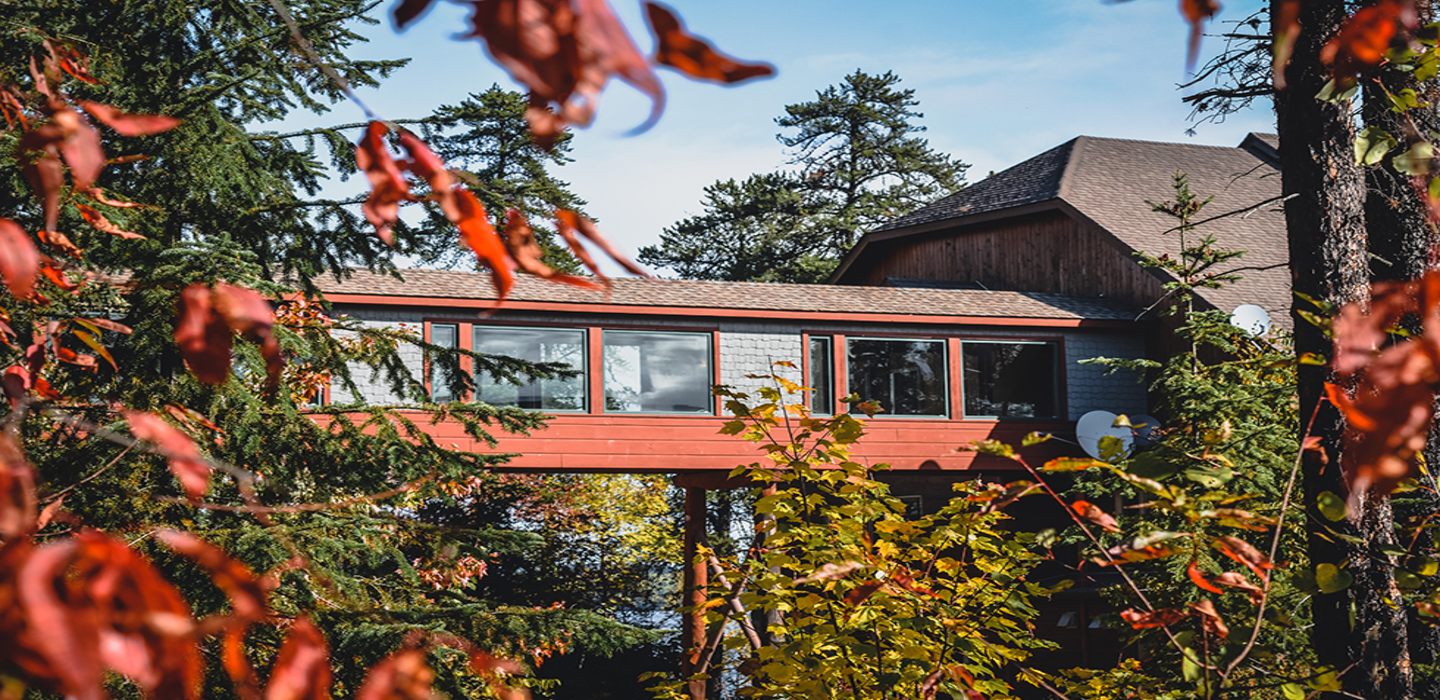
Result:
pixel 1325 220
pixel 1402 242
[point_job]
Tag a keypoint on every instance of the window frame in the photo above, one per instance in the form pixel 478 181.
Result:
pixel 943 372
pixel 1060 393
pixel 430 366
pixel 833 386
pixel 712 359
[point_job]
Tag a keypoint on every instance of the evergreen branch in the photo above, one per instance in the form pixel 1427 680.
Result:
pixel 340 127
pixel 302 507
pixel 302 205
pixel 309 49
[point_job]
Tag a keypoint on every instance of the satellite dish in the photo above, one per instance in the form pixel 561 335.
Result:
pixel 1097 425
pixel 1142 426
pixel 1252 319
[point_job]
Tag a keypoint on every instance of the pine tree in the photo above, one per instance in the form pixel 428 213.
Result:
pixel 220 200
pixel 858 165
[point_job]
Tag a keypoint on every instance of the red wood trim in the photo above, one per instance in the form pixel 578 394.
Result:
pixel 841 380
pixel 767 314
pixel 595 373
pixel 717 407
pixel 465 339
pixel 955 361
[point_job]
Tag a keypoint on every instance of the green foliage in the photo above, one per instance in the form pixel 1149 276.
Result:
pixel 224 201
pixel 858 165
pixel 865 602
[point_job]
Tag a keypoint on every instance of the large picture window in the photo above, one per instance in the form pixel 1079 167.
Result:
pixel 564 345
pixel 907 377
pixel 1010 379
pixel 654 372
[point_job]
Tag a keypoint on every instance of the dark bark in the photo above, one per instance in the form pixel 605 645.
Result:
pixel 1402 242
pixel 1325 220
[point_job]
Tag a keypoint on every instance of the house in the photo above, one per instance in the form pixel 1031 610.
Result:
pixel 966 320
pixel 1070 220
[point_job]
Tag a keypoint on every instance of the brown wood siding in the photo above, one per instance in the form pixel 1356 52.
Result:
pixel 1043 252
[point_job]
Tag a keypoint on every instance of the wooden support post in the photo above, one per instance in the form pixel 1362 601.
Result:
pixel 697 577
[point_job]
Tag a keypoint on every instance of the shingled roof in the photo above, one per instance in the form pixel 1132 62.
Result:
pixel 702 295
pixel 1108 181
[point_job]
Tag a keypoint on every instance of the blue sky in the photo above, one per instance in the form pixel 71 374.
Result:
pixel 998 82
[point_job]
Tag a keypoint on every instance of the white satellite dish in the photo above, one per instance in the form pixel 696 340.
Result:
pixel 1142 425
pixel 1095 426
pixel 1252 319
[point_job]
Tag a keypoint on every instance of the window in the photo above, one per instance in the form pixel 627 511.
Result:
pixel 444 335
pixel 822 376
pixel 1010 380
pixel 652 372
pixel 907 377
pixel 564 345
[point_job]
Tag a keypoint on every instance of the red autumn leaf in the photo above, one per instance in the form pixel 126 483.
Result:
pixel 1244 553
pixel 186 462
pixel 862 592
pixel 569 222
pixel 12 105
pixel 564 51
pixel 424 163
pixel 19 261
pixel 527 254
pixel 1236 580
pixel 38 154
pixel 694 56
pixel 1286 21
pixel 250 315
pixel 1094 514
pixel 1196 12
pixel 1198 578
pixel 247 593
pixel 127 124
pixel 60 242
pixel 90 603
pixel 407 11
pixel 99 195
pixel 96 323
pixel 17 490
pixel 302 671
pixel 190 417
pixel 479 236
pixel 1210 619
pixel 57 277
pixel 204 338
pixel 1365 38
pixel 1153 546
pixel 404 675
pixel 237 664
pixel 1013 491
pixel 81 149
pixel 1159 618
pixel 70 60
pixel 100 223
pixel 387 184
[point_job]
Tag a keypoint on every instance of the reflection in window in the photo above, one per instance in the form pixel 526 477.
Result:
pixel 444 335
pixel 907 377
pixel 651 372
pixel 1010 380
pixel 822 376
pixel 534 345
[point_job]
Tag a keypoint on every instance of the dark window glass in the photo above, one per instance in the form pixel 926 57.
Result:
pixel 534 345
pixel 822 376
pixel 1010 380
pixel 650 372
pixel 907 377
pixel 445 336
